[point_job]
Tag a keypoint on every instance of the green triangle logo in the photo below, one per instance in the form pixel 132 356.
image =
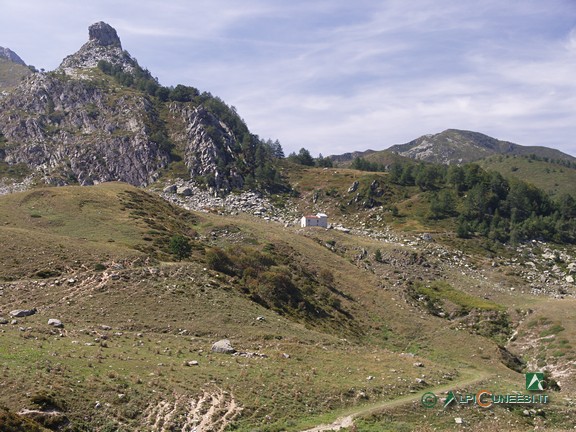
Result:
pixel 535 381
pixel 449 399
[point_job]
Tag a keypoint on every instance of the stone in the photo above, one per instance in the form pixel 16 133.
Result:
pixel 223 346
pixel 570 279
pixel 55 323
pixel 184 191
pixel 170 189
pixel 192 363
pixel 20 313
pixel 418 364
pixel 3 321
pixel 103 34
pixel 354 187
pixel 458 420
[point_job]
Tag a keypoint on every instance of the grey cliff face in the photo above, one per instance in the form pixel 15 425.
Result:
pixel 208 145
pixel 10 55
pixel 68 131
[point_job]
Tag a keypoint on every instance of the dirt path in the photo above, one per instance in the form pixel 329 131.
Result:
pixel 348 420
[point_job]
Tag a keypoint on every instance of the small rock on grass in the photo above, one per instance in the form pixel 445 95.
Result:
pixel 223 346
pixel 55 323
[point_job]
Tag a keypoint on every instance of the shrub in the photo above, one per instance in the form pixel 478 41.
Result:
pixel 180 247
pixel 219 260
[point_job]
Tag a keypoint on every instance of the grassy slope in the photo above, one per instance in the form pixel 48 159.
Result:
pixel 162 314
pixel 11 74
pixel 552 178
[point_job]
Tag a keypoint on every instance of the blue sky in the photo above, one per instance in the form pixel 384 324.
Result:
pixel 336 76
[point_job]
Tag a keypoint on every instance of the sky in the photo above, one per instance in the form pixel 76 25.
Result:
pixel 336 76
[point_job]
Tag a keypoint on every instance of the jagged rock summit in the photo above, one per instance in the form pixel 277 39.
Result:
pixel 10 55
pixel 103 44
pixel 103 34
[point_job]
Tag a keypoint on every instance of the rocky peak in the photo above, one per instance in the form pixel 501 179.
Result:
pixel 103 34
pixel 10 55
pixel 103 44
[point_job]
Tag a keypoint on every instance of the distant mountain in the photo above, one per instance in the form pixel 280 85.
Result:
pixel 101 117
pixel 12 69
pixel 459 146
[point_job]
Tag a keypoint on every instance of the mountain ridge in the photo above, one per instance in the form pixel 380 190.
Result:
pixel 462 146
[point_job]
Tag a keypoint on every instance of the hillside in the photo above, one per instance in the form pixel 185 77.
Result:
pixel 321 326
pixel 556 177
pixel 459 146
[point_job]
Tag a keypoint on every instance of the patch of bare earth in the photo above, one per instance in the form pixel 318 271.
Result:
pixel 211 412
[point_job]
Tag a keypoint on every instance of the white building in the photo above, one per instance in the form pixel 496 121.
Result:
pixel 319 219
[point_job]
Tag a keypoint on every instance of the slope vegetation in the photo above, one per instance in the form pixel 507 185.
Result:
pixel 319 324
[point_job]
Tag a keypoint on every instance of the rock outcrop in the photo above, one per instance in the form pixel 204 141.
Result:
pixel 103 45
pixel 209 146
pixel 73 131
pixel 101 117
pixel 103 34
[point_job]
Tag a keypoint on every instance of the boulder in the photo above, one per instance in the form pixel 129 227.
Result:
pixel 55 323
pixel 223 346
pixel 3 321
pixel 184 191
pixel 171 189
pixel 20 313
